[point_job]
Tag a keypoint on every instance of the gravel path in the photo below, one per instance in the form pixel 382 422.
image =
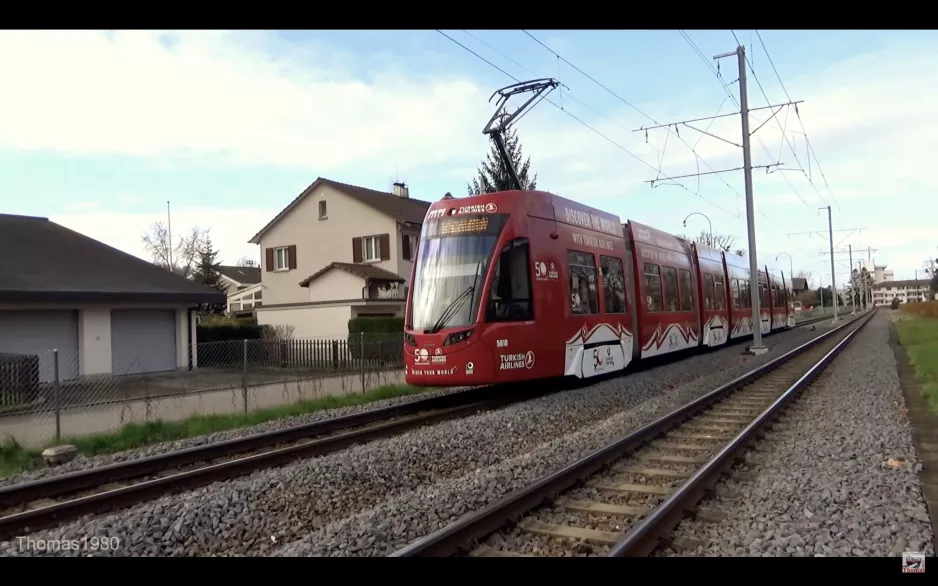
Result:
pixel 84 462
pixel 839 478
pixel 372 499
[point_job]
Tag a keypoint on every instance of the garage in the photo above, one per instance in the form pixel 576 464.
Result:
pixel 143 340
pixel 39 333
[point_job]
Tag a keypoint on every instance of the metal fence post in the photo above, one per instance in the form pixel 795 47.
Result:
pixel 244 375
pixel 56 399
pixel 362 346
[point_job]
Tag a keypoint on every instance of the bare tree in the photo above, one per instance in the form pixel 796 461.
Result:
pixel 719 241
pixel 179 258
pixel 246 262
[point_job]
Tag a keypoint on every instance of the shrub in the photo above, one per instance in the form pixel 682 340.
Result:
pixel 921 308
pixel 223 329
pixel 383 338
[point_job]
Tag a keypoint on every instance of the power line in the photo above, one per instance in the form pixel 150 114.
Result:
pixel 637 109
pixel 784 136
pixel 801 122
pixel 717 74
pixel 614 143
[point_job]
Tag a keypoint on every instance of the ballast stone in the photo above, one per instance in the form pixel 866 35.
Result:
pixel 59 454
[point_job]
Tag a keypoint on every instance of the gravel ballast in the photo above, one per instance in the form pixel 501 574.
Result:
pixel 839 477
pixel 372 499
pixel 85 462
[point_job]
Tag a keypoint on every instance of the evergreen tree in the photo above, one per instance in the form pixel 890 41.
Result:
pixel 494 176
pixel 206 272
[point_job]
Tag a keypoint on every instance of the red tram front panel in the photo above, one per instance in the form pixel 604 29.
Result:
pixel 669 320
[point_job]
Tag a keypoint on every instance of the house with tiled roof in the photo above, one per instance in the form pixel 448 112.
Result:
pixel 73 307
pixel 335 252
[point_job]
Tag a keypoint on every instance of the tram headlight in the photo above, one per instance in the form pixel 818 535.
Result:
pixel 457 337
pixel 409 339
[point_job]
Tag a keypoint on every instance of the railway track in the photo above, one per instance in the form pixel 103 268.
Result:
pixel 624 499
pixel 39 504
pixel 34 505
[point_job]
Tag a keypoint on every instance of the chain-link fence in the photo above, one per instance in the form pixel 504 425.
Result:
pixel 54 394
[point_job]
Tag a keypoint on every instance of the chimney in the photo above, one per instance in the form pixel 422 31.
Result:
pixel 400 190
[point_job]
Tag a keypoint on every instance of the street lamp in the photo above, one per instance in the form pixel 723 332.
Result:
pixel 791 274
pixel 709 223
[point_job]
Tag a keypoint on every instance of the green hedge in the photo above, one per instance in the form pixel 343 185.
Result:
pixel 383 338
pixel 375 325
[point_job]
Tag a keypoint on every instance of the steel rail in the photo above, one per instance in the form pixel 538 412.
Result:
pixel 643 539
pixel 53 514
pixel 479 524
pixel 61 484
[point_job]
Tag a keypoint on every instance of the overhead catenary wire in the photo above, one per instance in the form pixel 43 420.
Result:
pixel 755 76
pixel 807 140
pixel 726 89
pixel 639 110
pixel 576 118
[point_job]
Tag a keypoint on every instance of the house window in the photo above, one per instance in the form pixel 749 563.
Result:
pixel 322 210
pixel 282 258
pixel 371 248
pixel 407 246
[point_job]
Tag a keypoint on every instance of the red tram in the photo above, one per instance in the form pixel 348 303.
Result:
pixel 523 285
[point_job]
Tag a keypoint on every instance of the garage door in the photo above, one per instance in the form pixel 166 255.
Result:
pixel 40 332
pixel 143 340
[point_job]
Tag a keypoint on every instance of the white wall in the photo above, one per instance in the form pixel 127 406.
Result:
pixel 336 285
pixel 94 340
pixel 320 242
pixel 94 333
pixel 326 321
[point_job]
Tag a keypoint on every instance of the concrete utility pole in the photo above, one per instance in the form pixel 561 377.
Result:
pixel 853 284
pixel 830 228
pixel 747 168
pixel 757 347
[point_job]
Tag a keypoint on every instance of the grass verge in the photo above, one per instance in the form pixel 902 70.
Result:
pixel 919 336
pixel 14 458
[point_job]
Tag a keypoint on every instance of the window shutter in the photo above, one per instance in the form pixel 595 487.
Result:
pixel 385 246
pixel 291 254
pixel 356 250
pixel 405 246
pixel 269 259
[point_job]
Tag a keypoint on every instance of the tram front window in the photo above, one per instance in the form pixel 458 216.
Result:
pixel 453 257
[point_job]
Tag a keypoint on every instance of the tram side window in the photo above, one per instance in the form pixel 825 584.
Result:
pixel 687 290
pixel 510 296
pixel 735 288
pixel 745 297
pixel 652 287
pixel 762 301
pixel 584 297
pixel 719 292
pixel 613 284
pixel 709 295
pixel 670 289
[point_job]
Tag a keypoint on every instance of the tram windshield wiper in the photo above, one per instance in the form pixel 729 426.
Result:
pixel 452 309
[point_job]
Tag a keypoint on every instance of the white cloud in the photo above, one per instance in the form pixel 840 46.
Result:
pixel 251 99
pixel 228 228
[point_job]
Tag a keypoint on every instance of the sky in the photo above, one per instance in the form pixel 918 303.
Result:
pixel 100 129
